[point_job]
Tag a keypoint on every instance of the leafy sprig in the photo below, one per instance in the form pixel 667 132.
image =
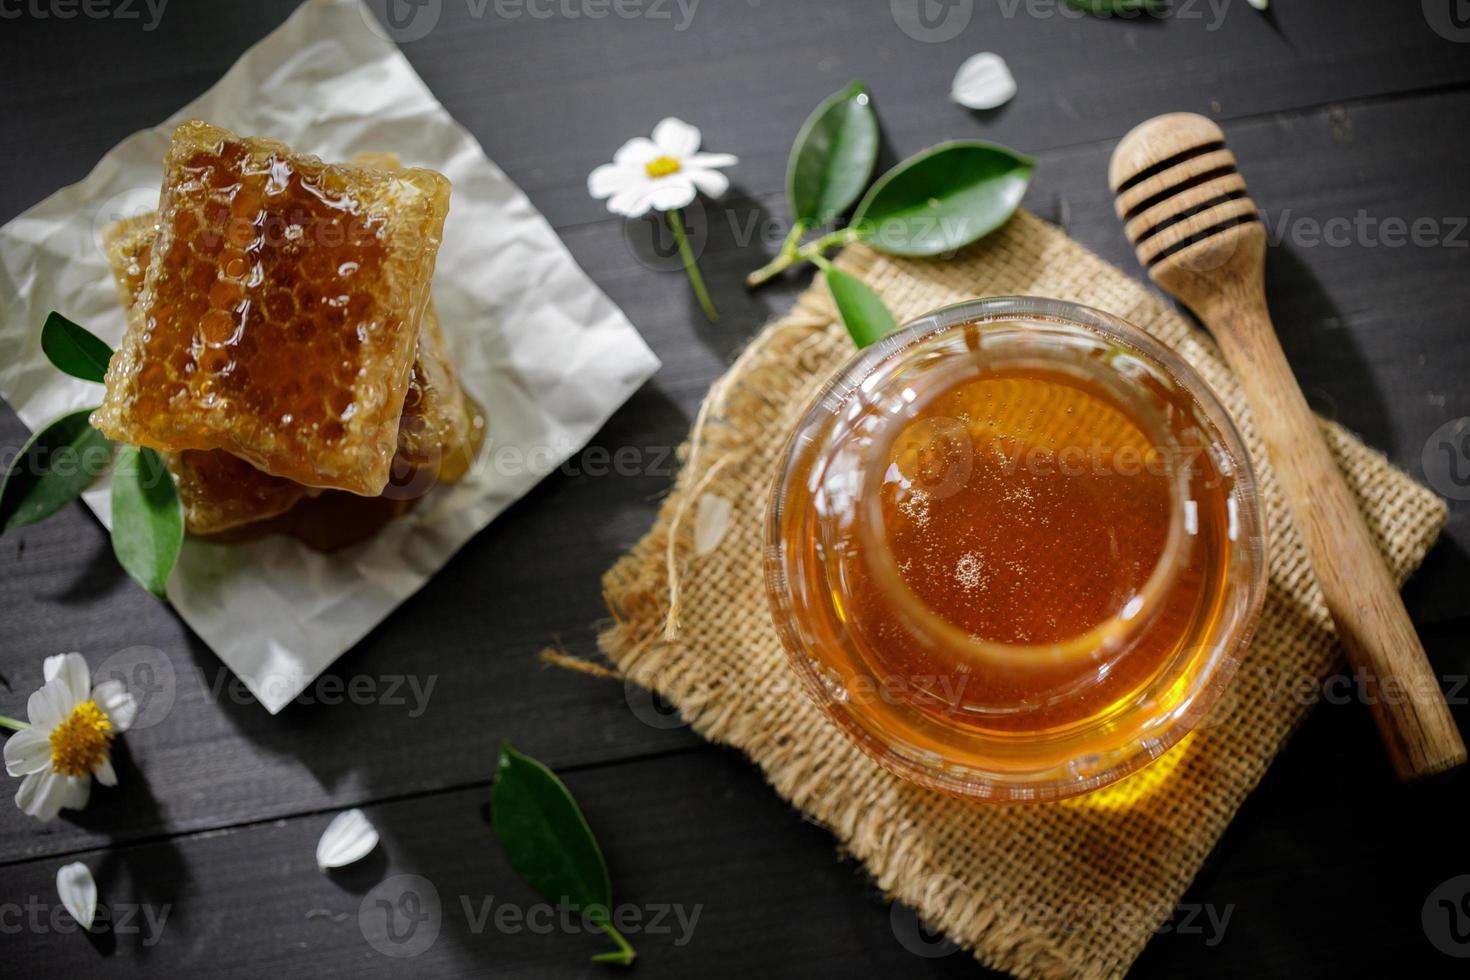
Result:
pixel 932 204
pixel 67 455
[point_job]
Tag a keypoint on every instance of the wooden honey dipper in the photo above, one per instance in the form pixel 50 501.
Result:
pixel 1186 210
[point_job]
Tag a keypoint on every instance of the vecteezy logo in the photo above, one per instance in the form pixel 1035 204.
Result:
pixel 409 482
pixel 651 708
pixel 401 915
pixel 653 243
pixel 401 21
pixel 131 203
pixel 1446 459
pixel 1446 917
pixel 149 677
pixel 1450 19
pixel 911 933
pixel 1224 708
pixel 932 21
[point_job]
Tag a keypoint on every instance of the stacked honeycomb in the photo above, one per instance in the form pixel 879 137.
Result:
pixel 219 491
pixel 437 435
pixel 279 313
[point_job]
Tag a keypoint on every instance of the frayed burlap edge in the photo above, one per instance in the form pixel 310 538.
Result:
pixel 1072 889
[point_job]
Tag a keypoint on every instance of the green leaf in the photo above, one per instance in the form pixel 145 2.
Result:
pixel 943 198
pixel 547 840
pixel 1114 8
pixel 147 518
pixel 863 312
pixel 833 157
pixel 52 470
pixel 74 349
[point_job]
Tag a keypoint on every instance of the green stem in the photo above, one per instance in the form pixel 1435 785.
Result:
pixel 806 253
pixel 784 257
pixel 793 238
pixel 623 955
pixel 12 724
pixel 676 222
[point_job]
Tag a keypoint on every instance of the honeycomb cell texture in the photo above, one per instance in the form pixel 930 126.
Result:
pixel 279 312
pixel 439 434
pixel 219 491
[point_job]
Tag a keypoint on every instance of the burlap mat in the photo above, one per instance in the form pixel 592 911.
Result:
pixel 1065 889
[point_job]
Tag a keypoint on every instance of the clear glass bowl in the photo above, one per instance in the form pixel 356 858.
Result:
pixel 909 677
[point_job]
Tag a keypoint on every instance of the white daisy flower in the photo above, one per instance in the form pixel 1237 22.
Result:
pixel 663 173
pixel 69 739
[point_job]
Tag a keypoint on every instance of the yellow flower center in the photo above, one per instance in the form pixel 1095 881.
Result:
pixel 79 743
pixel 662 166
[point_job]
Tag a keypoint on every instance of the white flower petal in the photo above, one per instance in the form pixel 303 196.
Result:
pixel 106 775
pixel 1258 4
pixel 706 161
pixel 78 891
pixel 71 668
pixel 637 151
pixel 610 178
pixel 983 82
pixel 77 791
pixel 711 521
pixel 41 794
pixel 662 193
pixel 674 191
pixel 348 838
pixel 120 706
pixel 709 182
pixel 631 202
pixel 50 706
pixel 676 138
pixel 27 751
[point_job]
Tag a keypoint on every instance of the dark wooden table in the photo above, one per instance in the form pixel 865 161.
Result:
pixel 1345 115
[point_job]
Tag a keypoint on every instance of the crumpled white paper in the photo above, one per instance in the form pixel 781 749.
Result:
pixel 537 344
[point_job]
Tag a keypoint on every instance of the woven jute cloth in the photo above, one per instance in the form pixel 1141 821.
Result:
pixel 1070 889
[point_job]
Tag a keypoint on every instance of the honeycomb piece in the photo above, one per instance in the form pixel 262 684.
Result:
pixel 438 440
pixel 220 491
pixel 438 436
pixel 330 522
pixel 129 247
pixel 280 310
pixel 441 428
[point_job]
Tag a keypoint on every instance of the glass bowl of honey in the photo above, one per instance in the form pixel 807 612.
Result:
pixel 1015 550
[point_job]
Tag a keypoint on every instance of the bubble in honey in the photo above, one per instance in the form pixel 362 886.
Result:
pixel 969 571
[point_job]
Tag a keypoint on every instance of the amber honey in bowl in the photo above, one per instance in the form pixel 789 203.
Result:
pixel 1015 550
